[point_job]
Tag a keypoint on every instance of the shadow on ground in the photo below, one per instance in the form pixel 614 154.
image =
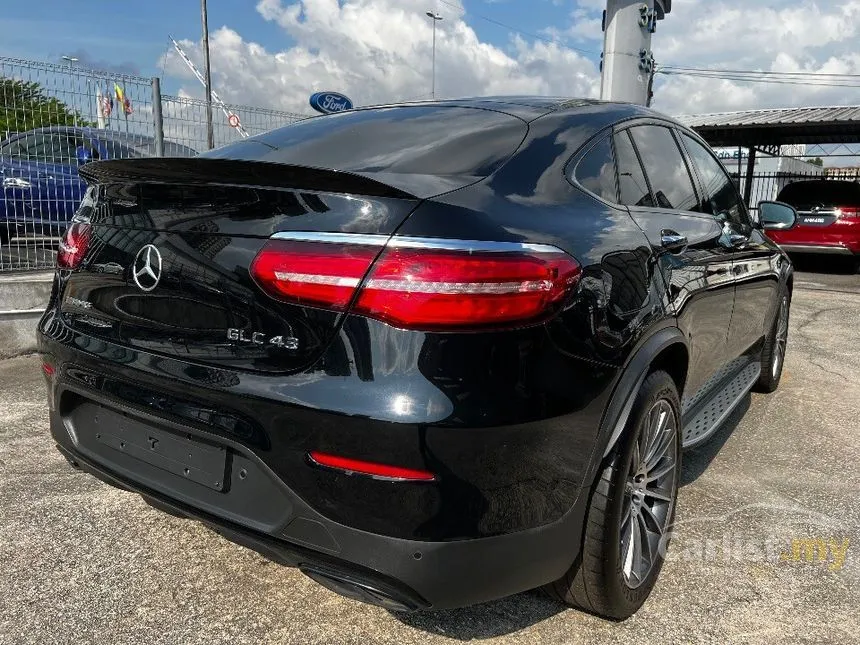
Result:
pixel 488 620
pixel 833 264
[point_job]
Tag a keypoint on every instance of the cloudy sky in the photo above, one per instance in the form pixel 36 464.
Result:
pixel 275 53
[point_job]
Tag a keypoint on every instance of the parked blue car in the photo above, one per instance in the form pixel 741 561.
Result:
pixel 41 188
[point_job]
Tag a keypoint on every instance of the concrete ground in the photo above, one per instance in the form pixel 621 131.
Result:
pixel 83 562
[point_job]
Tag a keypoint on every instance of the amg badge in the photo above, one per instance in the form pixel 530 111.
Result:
pixel 259 338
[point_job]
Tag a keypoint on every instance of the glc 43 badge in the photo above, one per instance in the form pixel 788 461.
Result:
pixel 259 338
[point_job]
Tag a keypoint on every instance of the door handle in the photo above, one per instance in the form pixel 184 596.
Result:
pixel 672 241
pixel 736 239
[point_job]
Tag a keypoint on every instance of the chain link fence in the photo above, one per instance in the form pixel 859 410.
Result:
pixel 54 118
pixel 185 121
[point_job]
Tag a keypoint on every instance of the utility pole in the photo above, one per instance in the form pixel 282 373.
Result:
pixel 435 17
pixel 210 134
pixel 627 67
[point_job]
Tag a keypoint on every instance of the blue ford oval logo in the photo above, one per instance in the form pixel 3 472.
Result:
pixel 328 102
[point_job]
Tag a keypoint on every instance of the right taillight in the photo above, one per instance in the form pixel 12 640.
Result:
pixel 429 289
pixel 73 246
pixel 848 215
pixel 422 284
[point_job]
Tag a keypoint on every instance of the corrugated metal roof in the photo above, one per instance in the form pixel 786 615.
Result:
pixel 837 124
pixel 774 116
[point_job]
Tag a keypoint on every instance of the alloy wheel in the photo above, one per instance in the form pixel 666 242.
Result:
pixel 649 493
pixel 781 338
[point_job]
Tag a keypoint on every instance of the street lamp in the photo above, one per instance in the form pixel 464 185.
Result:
pixel 435 17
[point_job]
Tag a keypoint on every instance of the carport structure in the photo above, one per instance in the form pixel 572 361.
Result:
pixel 768 130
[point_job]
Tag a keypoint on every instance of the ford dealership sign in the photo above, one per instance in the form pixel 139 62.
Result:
pixel 328 102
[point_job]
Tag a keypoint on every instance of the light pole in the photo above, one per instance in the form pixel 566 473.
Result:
pixel 435 17
pixel 72 60
pixel 210 135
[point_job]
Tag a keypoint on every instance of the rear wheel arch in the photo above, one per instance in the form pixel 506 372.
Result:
pixel 675 361
pixel 666 349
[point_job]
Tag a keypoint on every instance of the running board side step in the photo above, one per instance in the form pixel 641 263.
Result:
pixel 704 420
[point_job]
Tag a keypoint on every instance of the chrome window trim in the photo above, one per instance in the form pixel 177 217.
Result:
pixel 414 242
pixel 334 238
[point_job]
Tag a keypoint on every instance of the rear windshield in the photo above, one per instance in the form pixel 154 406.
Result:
pixel 821 193
pixel 426 140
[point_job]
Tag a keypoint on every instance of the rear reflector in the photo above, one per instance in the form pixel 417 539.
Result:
pixel 381 471
pixel 422 286
pixel 73 246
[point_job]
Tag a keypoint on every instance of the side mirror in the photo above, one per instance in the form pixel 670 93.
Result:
pixel 83 154
pixel 777 216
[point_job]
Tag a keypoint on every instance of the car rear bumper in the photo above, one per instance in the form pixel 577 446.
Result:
pixel 254 508
pixel 504 514
pixel 840 238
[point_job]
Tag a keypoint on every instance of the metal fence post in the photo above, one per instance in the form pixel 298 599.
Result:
pixel 157 120
pixel 750 169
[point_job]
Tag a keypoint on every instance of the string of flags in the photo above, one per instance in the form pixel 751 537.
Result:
pixel 106 101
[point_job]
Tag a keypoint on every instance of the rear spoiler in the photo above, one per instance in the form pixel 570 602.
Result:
pixel 234 172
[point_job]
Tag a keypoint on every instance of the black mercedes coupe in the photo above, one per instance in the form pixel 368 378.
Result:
pixel 431 354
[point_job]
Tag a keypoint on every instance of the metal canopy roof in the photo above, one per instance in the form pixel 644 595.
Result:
pixel 774 127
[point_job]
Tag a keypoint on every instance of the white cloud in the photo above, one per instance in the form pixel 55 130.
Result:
pixel 766 35
pixel 378 51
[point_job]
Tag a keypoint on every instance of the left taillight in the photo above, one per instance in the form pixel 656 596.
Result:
pixel 73 246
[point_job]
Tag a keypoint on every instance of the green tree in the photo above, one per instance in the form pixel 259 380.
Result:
pixel 25 105
pixel 818 161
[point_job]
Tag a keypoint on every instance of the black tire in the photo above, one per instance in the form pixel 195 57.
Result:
pixel 775 345
pixel 597 582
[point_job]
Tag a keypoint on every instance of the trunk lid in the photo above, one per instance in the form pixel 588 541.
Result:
pixel 167 270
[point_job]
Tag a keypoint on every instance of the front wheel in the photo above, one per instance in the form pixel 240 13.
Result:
pixel 631 510
pixel 773 352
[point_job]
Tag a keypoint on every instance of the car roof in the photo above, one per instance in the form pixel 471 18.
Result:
pixel 532 107
pixel 93 133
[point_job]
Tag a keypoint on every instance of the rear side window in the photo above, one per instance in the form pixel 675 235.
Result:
pixel 596 171
pixel 666 169
pixel 723 199
pixel 426 139
pixel 633 187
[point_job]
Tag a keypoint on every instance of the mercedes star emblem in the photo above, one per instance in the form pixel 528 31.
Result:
pixel 147 268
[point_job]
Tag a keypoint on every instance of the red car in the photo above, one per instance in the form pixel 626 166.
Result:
pixel 828 218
